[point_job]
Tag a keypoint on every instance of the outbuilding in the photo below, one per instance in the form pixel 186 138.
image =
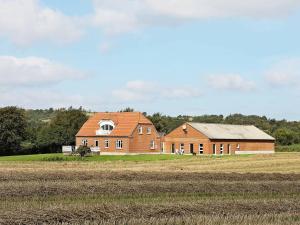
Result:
pixel 218 139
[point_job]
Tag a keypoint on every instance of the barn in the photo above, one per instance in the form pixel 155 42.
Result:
pixel 218 139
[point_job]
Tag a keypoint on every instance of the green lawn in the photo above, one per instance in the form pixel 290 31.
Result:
pixel 61 157
pixel 137 158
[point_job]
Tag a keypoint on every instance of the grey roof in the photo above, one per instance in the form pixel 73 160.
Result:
pixel 232 132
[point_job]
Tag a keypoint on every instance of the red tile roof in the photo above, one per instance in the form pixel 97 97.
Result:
pixel 125 123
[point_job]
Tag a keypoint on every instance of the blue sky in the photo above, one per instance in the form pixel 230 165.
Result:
pixel 175 57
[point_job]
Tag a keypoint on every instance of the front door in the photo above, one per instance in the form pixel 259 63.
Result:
pixel 191 148
pixel 214 149
pixel 229 149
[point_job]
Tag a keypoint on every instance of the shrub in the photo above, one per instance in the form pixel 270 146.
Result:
pixel 54 159
pixel 83 151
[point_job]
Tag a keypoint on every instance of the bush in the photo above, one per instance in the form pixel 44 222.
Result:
pixel 83 151
pixel 54 159
pixel 288 148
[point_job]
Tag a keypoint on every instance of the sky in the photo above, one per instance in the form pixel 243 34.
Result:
pixel 189 57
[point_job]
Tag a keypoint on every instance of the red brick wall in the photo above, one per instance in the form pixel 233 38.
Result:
pixel 101 140
pixel 140 143
pixel 192 136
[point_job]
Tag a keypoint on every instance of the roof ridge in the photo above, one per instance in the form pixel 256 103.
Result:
pixel 227 124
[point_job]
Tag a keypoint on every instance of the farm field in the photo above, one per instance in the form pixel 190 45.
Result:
pixel 149 189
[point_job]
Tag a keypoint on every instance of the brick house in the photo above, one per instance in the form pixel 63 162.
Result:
pixel 119 133
pixel 201 138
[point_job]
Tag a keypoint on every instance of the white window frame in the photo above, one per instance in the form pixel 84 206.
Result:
pixel 162 147
pixel 119 144
pixel 201 148
pixel 238 147
pixel 106 143
pixel 140 129
pixel 149 130
pixel 181 147
pixel 97 143
pixel 221 149
pixel 84 142
pixel 152 144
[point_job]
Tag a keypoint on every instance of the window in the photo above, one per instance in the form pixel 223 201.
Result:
pixel 106 143
pixel 152 144
pixel 200 149
pixel 238 147
pixel 84 142
pixel 214 149
pixel 221 149
pixel 119 144
pixel 140 130
pixel 162 146
pixel 107 127
pixel 96 143
pixel 148 130
pixel 181 147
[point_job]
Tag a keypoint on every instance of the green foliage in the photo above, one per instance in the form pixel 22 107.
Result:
pixel 208 119
pixel 165 124
pixel 83 151
pixel 128 109
pixel 285 136
pixel 12 129
pixel 62 129
pixel 288 148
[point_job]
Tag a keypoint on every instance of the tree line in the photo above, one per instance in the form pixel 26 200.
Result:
pixel 46 130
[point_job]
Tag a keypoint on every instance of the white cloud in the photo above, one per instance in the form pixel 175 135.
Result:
pixel 45 98
pixel 105 47
pixel 193 9
pixel 141 86
pixel 118 16
pixel 230 82
pixel 181 92
pixel 284 73
pixel 33 70
pixel 136 90
pixel 27 21
pixel 139 90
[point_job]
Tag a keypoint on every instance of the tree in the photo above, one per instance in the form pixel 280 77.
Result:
pixel 165 124
pixel 62 129
pixel 285 136
pixel 128 109
pixel 12 129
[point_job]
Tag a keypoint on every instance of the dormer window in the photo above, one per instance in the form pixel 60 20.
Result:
pixel 106 127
